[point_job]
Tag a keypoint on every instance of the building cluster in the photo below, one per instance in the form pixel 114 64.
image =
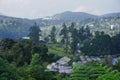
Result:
pixel 62 65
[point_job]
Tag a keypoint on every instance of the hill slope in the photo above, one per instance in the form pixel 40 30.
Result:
pixel 73 15
pixel 111 15
pixel 16 28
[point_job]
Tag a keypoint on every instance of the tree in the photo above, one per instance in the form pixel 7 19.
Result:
pixel 75 40
pixel 18 54
pixel 71 27
pixel 74 37
pixel 7 71
pixel 99 45
pixel 6 43
pixel 42 50
pixel 64 34
pixel 88 34
pixel 35 33
pixel 84 34
pixel 53 34
pixel 102 42
pixel 5 47
pixel 116 44
pixel 36 68
pixel 81 34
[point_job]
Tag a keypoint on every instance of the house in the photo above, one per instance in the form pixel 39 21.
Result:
pixel 65 69
pixel 63 61
pixel 52 67
pixel 60 66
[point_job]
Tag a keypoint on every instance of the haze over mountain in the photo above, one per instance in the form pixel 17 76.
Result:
pixel 72 15
pixel 40 8
pixel 18 27
pixel 111 15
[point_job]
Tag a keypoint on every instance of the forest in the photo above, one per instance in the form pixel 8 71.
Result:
pixel 27 58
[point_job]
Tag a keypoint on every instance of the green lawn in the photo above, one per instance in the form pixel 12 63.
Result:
pixel 57 49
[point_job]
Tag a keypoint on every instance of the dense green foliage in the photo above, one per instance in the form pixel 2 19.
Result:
pixel 102 44
pixel 27 59
pixel 35 33
pixel 23 60
pixel 114 75
pixel 8 71
pixel 53 34
pixel 21 52
pixel 74 37
pixel 64 34
pixel 93 71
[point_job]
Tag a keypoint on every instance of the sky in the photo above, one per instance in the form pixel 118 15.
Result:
pixel 40 8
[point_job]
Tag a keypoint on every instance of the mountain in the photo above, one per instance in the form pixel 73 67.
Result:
pixel 111 15
pixel 16 28
pixel 64 17
pixel 72 15
pixel 68 15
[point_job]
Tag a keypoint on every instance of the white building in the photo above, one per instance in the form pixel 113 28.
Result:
pixel 61 66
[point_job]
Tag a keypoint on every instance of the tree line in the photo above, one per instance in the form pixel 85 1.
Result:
pixel 80 40
pixel 27 59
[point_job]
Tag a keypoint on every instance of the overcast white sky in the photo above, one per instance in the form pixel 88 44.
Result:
pixel 41 8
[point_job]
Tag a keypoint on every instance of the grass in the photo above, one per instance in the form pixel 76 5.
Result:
pixel 57 49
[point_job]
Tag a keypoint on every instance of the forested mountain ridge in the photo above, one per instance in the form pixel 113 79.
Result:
pixel 72 15
pixel 112 15
pixel 60 48
pixel 16 28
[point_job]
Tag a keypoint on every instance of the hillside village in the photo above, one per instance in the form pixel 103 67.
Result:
pixel 63 66
pixel 60 47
